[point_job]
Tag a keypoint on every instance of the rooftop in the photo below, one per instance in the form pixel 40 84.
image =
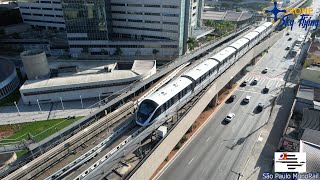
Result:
pixel 6 68
pixel 309 93
pixel 310 119
pixel 312 136
pixel 225 15
pixel 88 74
pixel 312 156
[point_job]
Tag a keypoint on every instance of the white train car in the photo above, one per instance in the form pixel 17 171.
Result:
pixel 253 38
pixel 269 27
pixel 225 58
pixel 262 32
pixel 177 93
pixel 164 101
pixel 241 46
pixel 202 74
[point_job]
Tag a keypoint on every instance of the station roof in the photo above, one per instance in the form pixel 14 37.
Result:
pixel 6 69
pixel 116 75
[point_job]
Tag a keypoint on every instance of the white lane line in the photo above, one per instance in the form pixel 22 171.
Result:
pixel 247 78
pixel 262 81
pixel 208 138
pixel 278 84
pixel 190 161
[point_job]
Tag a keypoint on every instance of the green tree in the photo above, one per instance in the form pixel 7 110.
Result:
pixel 192 43
pixel 155 52
pixel 118 52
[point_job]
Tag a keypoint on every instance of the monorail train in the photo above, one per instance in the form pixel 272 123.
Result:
pixel 178 92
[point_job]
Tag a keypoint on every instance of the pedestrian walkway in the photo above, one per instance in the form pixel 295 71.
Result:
pixel 30 113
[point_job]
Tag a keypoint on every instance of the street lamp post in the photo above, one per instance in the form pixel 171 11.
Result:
pixel 15 103
pixel 39 106
pixel 81 102
pixel 62 104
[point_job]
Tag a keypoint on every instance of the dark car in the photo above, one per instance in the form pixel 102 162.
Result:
pixel 265 70
pixel 265 90
pixel 289 39
pixel 287 34
pixel 244 83
pixel 254 82
pixel 287 48
pixel 260 107
pixel 231 98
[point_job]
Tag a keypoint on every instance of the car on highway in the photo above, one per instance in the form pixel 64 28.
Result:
pixel 244 83
pixel 260 107
pixel 246 99
pixel 289 39
pixel 229 117
pixel 287 48
pixel 254 82
pixel 231 98
pixel 265 89
pixel 287 34
pixel 265 70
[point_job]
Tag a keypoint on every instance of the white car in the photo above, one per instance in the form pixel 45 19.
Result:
pixel 229 117
pixel 247 99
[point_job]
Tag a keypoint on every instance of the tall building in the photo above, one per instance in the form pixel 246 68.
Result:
pixel 99 27
pixel 42 13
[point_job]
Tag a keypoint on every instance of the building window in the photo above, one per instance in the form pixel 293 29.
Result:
pixel 24 7
pixel 35 8
pixel 136 13
pixel 116 19
pixel 134 20
pixel 134 5
pixel 169 46
pixel 118 12
pixel 152 14
pixel 171 23
pixel 47 2
pixel 50 9
pixel 49 15
pixel 37 14
pixel 59 16
pixel 26 14
pixel 171 15
pixel 118 4
pixel 55 2
pixel 58 9
pixel 170 6
pixel 152 22
pixel 152 5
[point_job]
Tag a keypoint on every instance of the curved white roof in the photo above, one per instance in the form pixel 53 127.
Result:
pixel 223 54
pixel 167 92
pixel 251 35
pixel 239 43
pixel 201 69
pixel 260 29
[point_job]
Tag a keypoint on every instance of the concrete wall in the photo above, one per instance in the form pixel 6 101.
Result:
pixel 35 64
pixel 157 157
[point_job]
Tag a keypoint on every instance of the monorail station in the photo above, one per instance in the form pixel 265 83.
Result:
pixel 80 86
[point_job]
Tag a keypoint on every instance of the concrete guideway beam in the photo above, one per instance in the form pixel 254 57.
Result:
pixel 151 164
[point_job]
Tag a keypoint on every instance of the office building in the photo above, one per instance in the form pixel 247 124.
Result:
pixel 138 28
pixel 46 14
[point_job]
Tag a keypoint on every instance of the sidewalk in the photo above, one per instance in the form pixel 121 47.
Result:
pixel 260 160
pixel 30 113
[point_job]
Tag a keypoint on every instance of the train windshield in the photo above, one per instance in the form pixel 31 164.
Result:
pixel 146 108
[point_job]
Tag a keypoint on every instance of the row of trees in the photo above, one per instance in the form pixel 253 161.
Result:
pixel 118 52
pixel 221 27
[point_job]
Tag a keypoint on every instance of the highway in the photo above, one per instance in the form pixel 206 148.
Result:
pixel 220 150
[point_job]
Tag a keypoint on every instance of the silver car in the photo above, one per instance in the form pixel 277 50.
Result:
pixel 229 117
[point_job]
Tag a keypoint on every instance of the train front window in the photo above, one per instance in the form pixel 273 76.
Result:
pixel 146 108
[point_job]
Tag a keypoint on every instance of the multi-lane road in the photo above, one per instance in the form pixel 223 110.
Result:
pixel 220 150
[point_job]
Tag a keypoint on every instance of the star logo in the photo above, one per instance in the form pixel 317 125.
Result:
pixel 275 11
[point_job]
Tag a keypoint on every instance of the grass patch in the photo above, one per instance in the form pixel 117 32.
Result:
pixel 38 130
pixel 20 153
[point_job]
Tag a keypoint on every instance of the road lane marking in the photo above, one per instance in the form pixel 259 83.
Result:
pixel 190 160
pixel 208 138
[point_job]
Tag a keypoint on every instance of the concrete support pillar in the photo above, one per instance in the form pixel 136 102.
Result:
pixel 229 85
pixel 214 101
